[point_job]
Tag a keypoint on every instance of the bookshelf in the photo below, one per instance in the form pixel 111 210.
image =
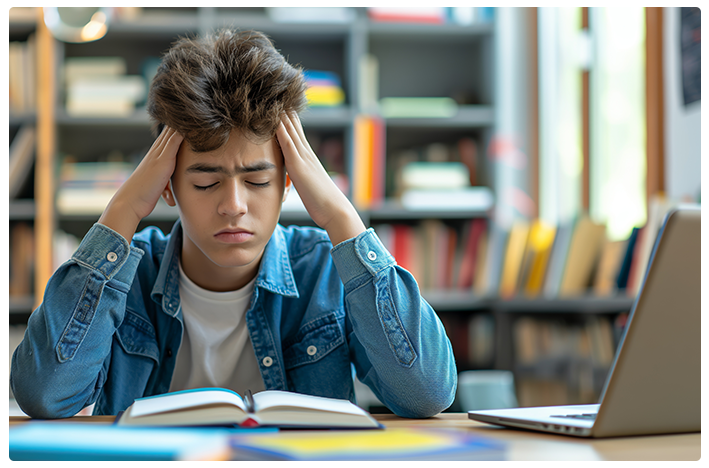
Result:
pixel 428 52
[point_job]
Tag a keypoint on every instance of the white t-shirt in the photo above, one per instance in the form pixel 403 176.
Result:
pixel 216 349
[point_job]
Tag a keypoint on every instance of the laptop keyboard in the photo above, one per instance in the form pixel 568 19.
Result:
pixel 585 416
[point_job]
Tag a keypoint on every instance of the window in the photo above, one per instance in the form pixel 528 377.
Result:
pixel 618 147
pixel 613 51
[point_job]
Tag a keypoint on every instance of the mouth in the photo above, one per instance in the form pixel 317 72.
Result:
pixel 234 236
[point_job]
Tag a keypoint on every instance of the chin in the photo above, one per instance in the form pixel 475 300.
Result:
pixel 232 259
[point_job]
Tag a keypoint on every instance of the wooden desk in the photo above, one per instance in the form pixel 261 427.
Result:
pixel 527 445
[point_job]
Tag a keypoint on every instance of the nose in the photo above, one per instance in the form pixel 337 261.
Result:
pixel 233 203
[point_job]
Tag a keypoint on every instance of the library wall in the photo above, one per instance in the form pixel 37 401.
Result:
pixel 406 115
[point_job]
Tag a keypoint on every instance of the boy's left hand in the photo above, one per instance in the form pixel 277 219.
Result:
pixel 325 202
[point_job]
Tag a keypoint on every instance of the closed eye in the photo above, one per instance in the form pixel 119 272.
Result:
pixel 264 184
pixel 205 187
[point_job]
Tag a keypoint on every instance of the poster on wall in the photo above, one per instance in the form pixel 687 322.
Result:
pixel 694 44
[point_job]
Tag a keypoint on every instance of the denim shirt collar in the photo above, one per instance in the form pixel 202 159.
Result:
pixel 275 273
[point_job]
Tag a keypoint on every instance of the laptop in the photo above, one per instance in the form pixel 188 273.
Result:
pixel 654 384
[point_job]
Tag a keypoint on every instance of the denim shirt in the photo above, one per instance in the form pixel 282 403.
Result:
pixel 110 325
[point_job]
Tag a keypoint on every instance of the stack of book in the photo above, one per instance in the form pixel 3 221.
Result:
pixel 441 185
pixel 99 86
pixel 324 89
pixel 85 188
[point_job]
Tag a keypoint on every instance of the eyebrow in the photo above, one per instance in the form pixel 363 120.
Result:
pixel 212 168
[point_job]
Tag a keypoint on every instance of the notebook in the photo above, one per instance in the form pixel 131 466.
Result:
pixel 654 385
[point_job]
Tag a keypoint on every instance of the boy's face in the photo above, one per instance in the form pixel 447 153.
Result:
pixel 229 201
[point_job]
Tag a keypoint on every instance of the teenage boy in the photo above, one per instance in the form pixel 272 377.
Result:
pixel 230 298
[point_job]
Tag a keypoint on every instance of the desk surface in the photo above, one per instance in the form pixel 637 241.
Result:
pixel 528 445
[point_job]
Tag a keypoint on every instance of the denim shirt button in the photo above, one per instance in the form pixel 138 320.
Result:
pixel 111 257
pixel 371 255
pixel 311 350
pixel 267 361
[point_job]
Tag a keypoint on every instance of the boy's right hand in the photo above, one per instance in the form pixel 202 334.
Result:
pixel 138 195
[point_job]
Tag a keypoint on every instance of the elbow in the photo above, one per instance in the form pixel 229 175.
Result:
pixel 36 402
pixel 38 399
pixel 41 405
pixel 426 405
pixel 433 397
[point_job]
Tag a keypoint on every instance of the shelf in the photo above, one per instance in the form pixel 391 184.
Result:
pixel 423 31
pixel 22 210
pixel 468 116
pixel 391 210
pixel 575 305
pixel 21 305
pixel 22 118
pixel 450 300
pixel 454 300
pixel 339 117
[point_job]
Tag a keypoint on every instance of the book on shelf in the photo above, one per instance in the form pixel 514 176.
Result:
pixel 219 406
pixel 99 86
pixel 536 257
pixel 426 185
pixel 418 107
pixel 544 347
pixel 463 16
pixel 531 259
pixel 513 256
pixel 470 242
pixel 462 199
pixel 328 14
pixel 324 88
pixel 437 176
pixel 481 340
pixel 609 265
pixel 87 187
pixel 586 243
pixel 368 161
pixel 22 80
pixel 22 151
pixel 368 82
pixel 658 207
pixel 22 255
pixel 624 271
pixel 429 15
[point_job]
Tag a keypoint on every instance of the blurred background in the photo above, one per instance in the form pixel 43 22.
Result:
pixel 518 161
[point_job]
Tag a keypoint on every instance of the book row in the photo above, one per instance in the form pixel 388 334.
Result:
pixel 529 259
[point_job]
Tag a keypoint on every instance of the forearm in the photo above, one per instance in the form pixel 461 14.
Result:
pixel 120 217
pixel 345 225
pixel 58 368
pixel 399 345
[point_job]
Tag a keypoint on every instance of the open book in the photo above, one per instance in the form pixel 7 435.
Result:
pixel 220 406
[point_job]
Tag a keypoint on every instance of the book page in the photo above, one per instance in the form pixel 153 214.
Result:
pixel 271 399
pixel 185 399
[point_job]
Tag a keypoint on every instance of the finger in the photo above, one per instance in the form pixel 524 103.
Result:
pixel 174 141
pixel 160 141
pixel 291 128
pixel 285 140
pixel 170 143
pixel 299 126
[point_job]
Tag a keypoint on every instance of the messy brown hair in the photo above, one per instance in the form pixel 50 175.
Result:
pixel 207 86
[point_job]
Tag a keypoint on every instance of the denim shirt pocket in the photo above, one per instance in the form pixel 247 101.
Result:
pixel 314 340
pixel 137 336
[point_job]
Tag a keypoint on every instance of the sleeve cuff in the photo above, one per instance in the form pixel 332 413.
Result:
pixel 364 254
pixel 105 250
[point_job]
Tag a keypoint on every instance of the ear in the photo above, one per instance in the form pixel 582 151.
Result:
pixel 167 194
pixel 286 191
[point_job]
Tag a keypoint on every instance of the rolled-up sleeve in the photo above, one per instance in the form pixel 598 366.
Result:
pixel 398 343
